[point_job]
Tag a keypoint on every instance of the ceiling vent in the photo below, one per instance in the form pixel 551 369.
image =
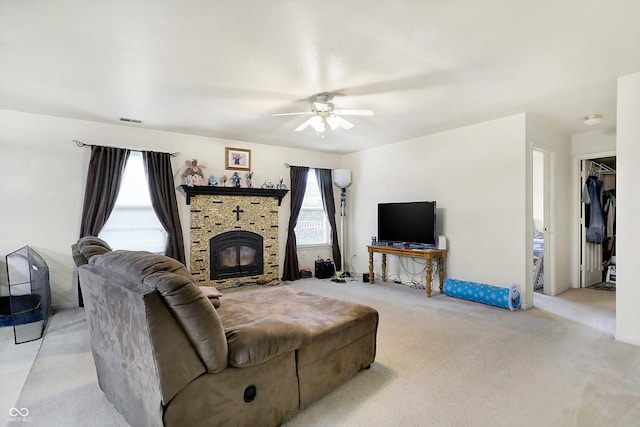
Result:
pixel 124 119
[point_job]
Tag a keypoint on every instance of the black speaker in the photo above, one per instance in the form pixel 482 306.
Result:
pixel 365 277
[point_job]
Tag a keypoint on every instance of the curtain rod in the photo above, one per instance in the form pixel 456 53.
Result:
pixel 287 165
pixel 84 144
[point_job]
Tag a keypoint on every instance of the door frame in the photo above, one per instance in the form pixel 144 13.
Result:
pixel 577 197
pixel 547 255
pixel 549 250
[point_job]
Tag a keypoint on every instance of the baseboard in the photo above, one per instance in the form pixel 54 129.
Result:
pixel 561 289
pixel 628 339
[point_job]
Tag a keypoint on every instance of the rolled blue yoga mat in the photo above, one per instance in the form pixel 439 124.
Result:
pixel 487 294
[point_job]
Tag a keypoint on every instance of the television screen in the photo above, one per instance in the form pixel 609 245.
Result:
pixel 410 222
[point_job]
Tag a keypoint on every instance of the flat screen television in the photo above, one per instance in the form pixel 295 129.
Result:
pixel 407 223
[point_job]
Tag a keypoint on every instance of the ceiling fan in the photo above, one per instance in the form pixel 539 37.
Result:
pixel 323 112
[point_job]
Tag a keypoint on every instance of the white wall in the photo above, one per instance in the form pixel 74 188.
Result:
pixel 627 210
pixel 477 176
pixel 42 177
pixel 593 143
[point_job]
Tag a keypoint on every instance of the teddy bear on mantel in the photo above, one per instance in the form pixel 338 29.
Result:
pixel 193 174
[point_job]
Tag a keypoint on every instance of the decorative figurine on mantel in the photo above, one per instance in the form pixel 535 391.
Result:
pixel 280 185
pixel 224 180
pixel 236 179
pixel 193 173
pixel 249 176
pixel 212 181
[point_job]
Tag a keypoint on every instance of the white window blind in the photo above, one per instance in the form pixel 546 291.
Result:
pixel 133 224
pixel 312 227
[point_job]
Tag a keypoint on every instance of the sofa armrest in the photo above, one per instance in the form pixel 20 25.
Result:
pixel 88 247
pixel 78 258
pixel 262 340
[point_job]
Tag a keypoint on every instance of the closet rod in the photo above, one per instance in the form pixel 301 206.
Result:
pixel 603 168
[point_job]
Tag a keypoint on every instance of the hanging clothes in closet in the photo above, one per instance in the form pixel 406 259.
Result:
pixel 594 218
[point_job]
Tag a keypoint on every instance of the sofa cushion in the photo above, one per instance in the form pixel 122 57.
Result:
pixel 183 298
pixel 322 324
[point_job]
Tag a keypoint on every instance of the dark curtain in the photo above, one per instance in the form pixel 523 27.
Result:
pixel 163 199
pixel 104 176
pixel 298 188
pixel 326 189
pixel 106 168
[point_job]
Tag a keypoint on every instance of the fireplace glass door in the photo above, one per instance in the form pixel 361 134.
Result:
pixel 236 254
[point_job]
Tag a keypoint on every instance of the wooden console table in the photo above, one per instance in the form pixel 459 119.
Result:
pixel 427 254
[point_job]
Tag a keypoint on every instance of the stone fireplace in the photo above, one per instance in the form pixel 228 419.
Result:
pixel 234 235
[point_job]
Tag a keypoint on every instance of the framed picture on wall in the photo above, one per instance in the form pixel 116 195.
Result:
pixel 238 159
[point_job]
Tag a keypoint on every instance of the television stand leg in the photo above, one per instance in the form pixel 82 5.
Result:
pixel 370 267
pixel 441 267
pixel 384 267
pixel 428 278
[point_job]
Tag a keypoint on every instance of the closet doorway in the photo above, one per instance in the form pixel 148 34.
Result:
pixel 598 223
pixel 541 216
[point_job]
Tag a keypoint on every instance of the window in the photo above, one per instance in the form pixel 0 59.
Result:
pixel 313 227
pixel 133 224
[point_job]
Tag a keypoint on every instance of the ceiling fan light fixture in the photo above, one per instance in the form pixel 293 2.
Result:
pixel 317 123
pixel 304 125
pixel 323 112
pixel 592 119
pixel 334 122
pixel 323 106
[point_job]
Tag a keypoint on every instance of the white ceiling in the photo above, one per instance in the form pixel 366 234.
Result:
pixel 222 68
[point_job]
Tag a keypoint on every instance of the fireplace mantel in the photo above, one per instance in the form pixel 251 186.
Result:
pixel 233 191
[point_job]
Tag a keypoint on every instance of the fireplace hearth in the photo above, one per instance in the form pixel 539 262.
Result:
pixel 235 254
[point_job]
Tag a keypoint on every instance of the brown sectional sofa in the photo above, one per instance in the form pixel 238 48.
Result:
pixel 166 355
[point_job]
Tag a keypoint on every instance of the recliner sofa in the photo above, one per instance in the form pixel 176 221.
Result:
pixel 166 355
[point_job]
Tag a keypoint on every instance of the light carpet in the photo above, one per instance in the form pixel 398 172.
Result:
pixel 15 363
pixel 440 362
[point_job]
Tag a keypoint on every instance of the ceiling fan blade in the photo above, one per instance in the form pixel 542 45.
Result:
pixel 292 114
pixel 354 112
pixel 305 124
pixel 344 124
